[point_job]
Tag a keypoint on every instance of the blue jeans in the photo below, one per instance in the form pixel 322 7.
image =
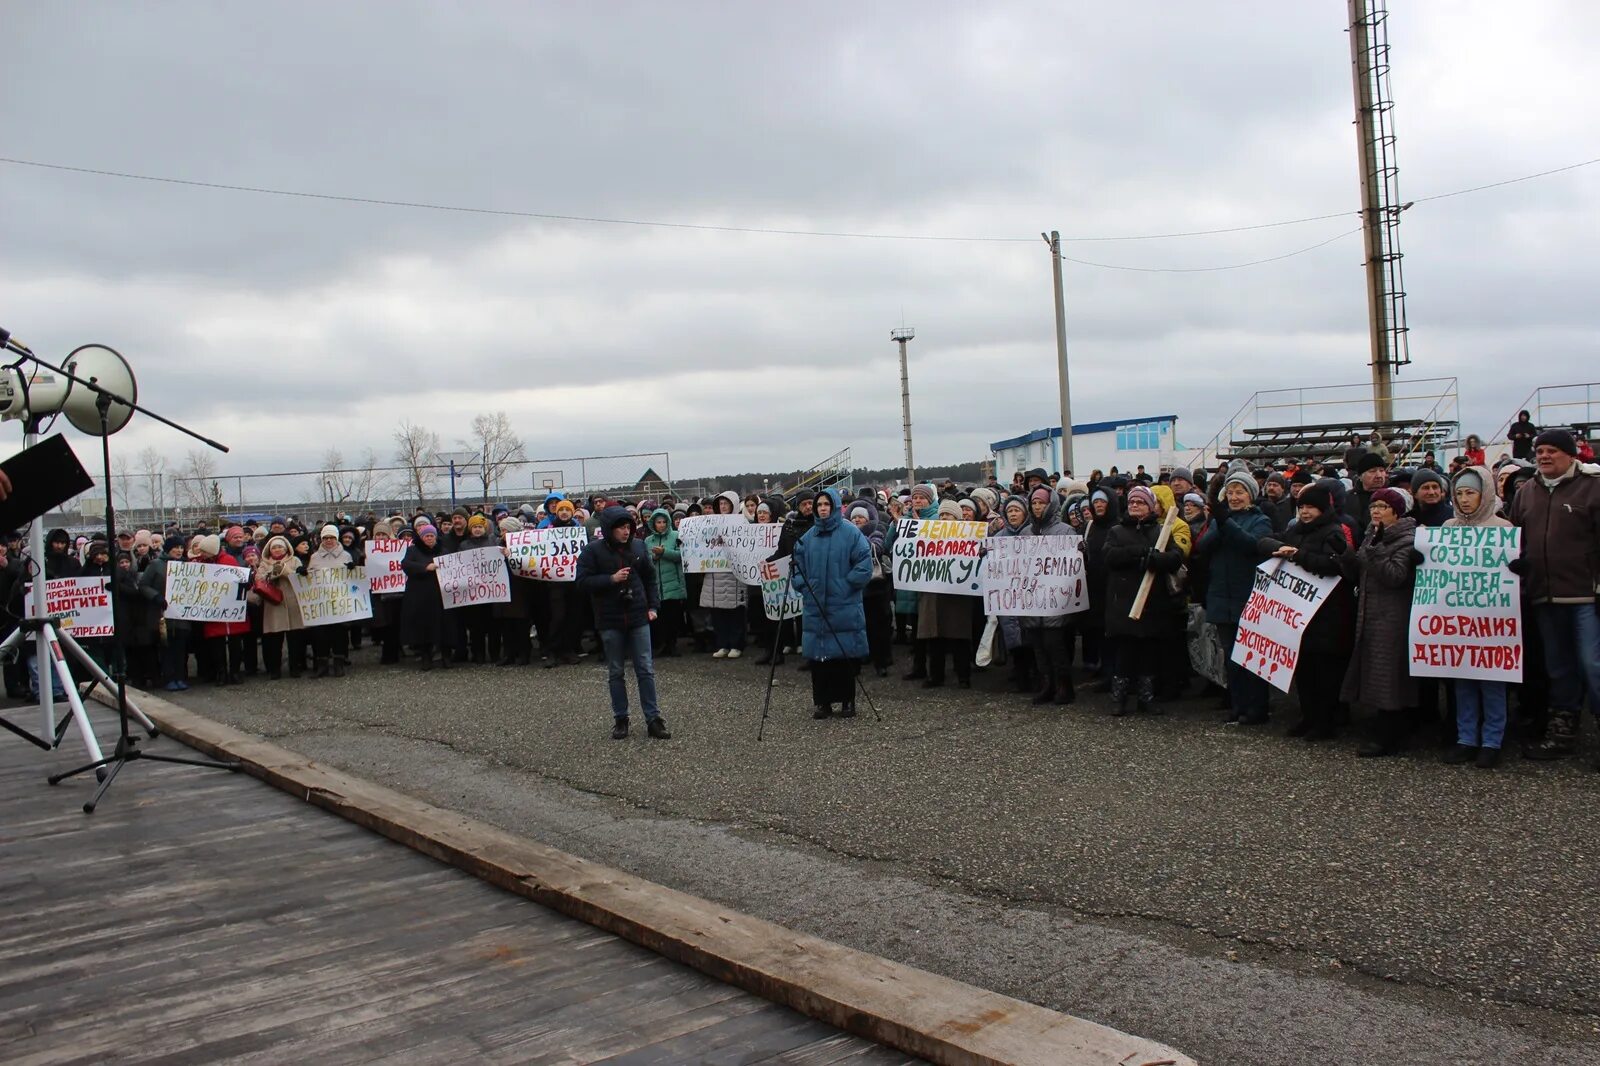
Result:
pixel 622 643
pixel 1571 634
pixel 1486 698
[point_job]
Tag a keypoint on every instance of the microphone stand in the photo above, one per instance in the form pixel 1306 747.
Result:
pixel 127 749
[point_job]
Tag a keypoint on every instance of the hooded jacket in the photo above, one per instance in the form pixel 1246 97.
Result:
pixel 1232 545
pixel 619 605
pixel 831 567
pixel 1050 525
pixel 1488 512
pixel 669 563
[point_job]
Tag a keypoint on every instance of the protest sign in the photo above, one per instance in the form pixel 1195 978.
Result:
pixel 546 554
pixel 475 576
pixel 703 541
pixel 207 592
pixel 936 555
pixel 1466 605
pixel 1282 603
pixel 383 565
pixel 82 603
pixel 328 597
pixel 748 546
pixel 1040 577
pixel 779 600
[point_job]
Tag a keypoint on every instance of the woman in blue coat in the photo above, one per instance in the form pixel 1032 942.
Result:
pixel 831 567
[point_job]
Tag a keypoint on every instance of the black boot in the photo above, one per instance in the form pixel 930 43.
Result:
pixel 1064 690
pixel 1146 687
pixel 657 728
pixel 1045 692
pixel 425 660
pixel 847 709
pixel 1119 696
pixel 319 667
pixel 619 728
pixel 824 710
pixel 338 667
pixel 1301 728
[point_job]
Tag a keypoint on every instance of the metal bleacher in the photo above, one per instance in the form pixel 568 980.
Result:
pixel 1261 434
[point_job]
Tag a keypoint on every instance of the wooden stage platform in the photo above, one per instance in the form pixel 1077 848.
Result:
pixel 204 916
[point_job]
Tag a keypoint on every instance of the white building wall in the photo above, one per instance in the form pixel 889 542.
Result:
pixel 1090 451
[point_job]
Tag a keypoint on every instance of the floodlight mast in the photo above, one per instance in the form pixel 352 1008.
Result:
pixel 901 336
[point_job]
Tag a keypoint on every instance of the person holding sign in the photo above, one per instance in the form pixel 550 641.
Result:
pixel 620 579
pixel 220 641
pixel 831 567
pixel 1051 638
pixel 330 644
pixel 1233 548
pixel 1480 704
pixel 422 618
pixel 1316 542
pixel 1379 676
pixel 1130 553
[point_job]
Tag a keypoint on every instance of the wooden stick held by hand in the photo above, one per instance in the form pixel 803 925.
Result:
pixel 1137 610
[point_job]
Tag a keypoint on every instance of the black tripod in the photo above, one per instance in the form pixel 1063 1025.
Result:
pixel 127 749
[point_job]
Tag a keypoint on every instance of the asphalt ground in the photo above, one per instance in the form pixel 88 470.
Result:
pixel 1242 895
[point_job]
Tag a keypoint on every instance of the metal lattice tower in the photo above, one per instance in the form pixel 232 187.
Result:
pixel 1380 199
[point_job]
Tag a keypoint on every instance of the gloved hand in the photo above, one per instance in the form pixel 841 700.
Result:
pixel 1417 558
pixel 1519 566
pixel 1152 559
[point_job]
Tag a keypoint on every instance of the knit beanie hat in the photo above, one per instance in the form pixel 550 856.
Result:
pixel 329 531
pixel 987 496
pixel 1558 438
pixel 1317 496
pixel 427 528
pixel 510 525
pixel 860 509
pixel 1142 492
pixel 169 543
pixel 209 545
pixel 477 521
pixel 949 509
pixel 1183 472
pixel 1368 461
pixel 1244 478
pixel 927 492
pixel 1040 493
pixel 1394 498
pixel 564 509
pixel 1194 498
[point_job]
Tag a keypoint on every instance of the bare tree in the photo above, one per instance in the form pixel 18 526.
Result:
pixel 152 468
pixel 498 447
pixel 196 482
pixel 121 482
pixel 415 447
pixel 367 481
pixel 335 479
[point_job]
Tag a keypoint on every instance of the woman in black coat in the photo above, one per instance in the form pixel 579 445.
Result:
pixel 422 621
pixel 1130 552
pixel 1103 517
pixel 1317 542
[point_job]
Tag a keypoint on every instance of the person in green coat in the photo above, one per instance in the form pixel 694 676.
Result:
pixel 662 544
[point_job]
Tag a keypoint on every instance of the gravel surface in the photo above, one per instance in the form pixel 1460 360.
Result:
pixel 1274 895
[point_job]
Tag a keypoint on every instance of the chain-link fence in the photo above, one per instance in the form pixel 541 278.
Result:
pixel 150 500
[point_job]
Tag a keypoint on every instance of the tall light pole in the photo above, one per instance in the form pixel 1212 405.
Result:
pixel 1053 239
pixel 901 336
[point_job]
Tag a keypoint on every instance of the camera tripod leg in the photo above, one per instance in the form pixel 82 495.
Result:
pixel 100 677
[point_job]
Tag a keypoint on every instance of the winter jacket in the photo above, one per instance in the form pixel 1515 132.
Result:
pixel 1130 550
pixel 1231 547
pixel 669 564
pixel 831 567
pixel 280 617
pixel 1320 548
pixel 619 605
pixel 1379 675
pixel 422 620
pixel 1094 548
pixel 1560 536
pixel 1521 434
pixel 224 629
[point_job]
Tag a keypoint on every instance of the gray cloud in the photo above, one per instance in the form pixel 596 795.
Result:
pixel 284 324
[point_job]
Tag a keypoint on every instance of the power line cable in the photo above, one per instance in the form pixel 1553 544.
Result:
pixel 766 230
pixel 1210 269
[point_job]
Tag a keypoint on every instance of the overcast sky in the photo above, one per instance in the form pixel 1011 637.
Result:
pixel 283 325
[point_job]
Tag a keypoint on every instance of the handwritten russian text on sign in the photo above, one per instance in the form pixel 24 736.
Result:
pixel 778 597
pixel 207 592
pixel 936 555
pixel 1282 603
pixel 749 546
pixel 328 597
pixel 1466 605
pixel 384 573
pixel 702 540
pixel 1039 577
pixel 82 603
pixel 546 554
pixel 475 576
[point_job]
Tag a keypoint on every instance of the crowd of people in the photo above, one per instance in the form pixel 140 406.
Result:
pixel 1354 518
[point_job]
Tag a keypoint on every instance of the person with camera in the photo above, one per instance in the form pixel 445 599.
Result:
pixel 617 573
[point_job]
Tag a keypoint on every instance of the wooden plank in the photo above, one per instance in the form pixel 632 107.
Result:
pixel 937 1018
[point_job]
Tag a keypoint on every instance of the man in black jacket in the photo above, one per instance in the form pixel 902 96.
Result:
pixel 615 570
